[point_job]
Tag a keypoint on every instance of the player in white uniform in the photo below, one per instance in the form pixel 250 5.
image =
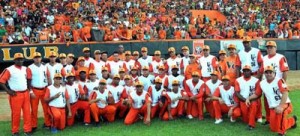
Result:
pixel 88 60
pixel 280 106
pixel 98 63
pixel 116 64
pixel 185 60
pixel 106 76
pixel 162 73
pixel 54 67
pixel 208 63
pixel 174 76
pixel 91 84
pixel 128 84
pixel 146 78
pixel 172 60
pixel 69 61
pixel 145 60
pixel 155 92
pixel 129 62
pixel 157 61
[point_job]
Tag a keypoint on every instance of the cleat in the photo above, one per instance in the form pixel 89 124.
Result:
pixel 232 120
pixel 86 124
pixel 295 125
pixel 250 128
pixel 189 116
pixel 259 120
pixel 218 121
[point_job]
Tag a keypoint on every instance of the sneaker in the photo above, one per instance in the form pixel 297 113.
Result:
pixel 259 120
pixel 27 134
pixel 250 128
pixel 232 120
pixel 295 125
pixel 189 116
pixel 15 134
pixel 54 130
pixel 266 123
pixel 218 121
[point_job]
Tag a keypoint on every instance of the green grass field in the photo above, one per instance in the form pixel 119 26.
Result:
pixel 179 127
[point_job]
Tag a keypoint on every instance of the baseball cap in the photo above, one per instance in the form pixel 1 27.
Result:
pixel 121 46
pixel 231 46
pixel 92 72
pixel 117 76
pixel 185 48
pixel 127 52
pixel 145 68
pixel 103 81
pixel 216 73
pixel 134 68
pixel 171 49
pixel 62 55
pixel 174 67
pixel 70 75
pixel 247 67
pixel 37 54
pixel 192 55
pixel 85 49
pixel 195 73
pixel 139 83
pixel 70 55
pixel 157 52
pixel 121 70
pixel 157 80
pixel 269 68
pixel 81 59
pixel 57 75
pixel 104 69
pixel 161 67
pixel 136 53
pixel 246 39
pixel 206 47
pixel 127 77
pixel 97 52
pixel 53 54
pixel 175 82
pixel 222 52
pixel 226 77
pixel 144 49
pixel 271 44
pixel 18 56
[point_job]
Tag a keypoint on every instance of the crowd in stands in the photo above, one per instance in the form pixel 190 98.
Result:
pixel 57 21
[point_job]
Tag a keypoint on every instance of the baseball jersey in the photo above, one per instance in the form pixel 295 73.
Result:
pixel 185 61
pixel 208 65
pixel 194 88
pixel 155 65
pixel 226 95
pixel 88 61
pixel 246 87
pixel 103 96
pixel 108 80
pixel 69 68
pixel 16 77
pixel 155 94
pixel 98 68
pixel 145 61
pixel 273 91
pixel 138 100
pixel 129 64
pixel 56 68
pixel 171 78
pixel 147 81
pixel 252 58
pixel 59 102
pixel 172 96
pixel 115 66
pixel 90 86
pixel 74 92
pixel 211 87
pixel 38 75
pixel 173 61
pixel 129 89
pixel 117 92
pixel 278 62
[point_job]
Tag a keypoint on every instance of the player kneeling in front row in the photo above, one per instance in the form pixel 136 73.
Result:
pixel 244 87
pixel 102 101
pixel 58 98
pixel 155 92
pixel 140 102
pixel 78 100
pixel 175 101
pixel 280 105
pixel 224 101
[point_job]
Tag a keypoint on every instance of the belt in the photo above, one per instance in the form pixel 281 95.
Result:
pixel 43 88
pixel 20 91
pixel 59 107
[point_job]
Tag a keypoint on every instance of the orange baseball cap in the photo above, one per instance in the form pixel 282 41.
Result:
pixel 174 67
pixel 269 68
pixel 195 73
pixel 117 76
pixel 127 77
pixel 139 83
pixel 145 68
pixel 37 54
pixel 185 48
pixel 18 56
pixel 226 77
pixel 144 49
pixel 246 39
pixel 161 67
pixel 216 73
pixel 62 55
pixel 175 82
pixel 97 52
pixel 70 75
pixel 81 59
pixel 206 47
pixel 192 55
pixel 103 81
pixel 53 54
pixel 92 72
pixel 222 52
pixel 85 49
pixel 136 53
pixel 127 52
pixel 231 46
pixel 157 53
pixel 171 49
pixel 104 69
pixel 247 67
pixel 70 55
pixel 271 44
pixel 134 68
pixel 57 75
pixel 158 80
pixel 121 70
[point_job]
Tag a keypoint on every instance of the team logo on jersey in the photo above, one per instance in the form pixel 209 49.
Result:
pixel 76 94
pixel 231 99
pixel 208 66
pixel 253 56
pixel 230 65
pixel 276 92
pixel 251 90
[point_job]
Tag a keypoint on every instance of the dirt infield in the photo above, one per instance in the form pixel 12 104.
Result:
pixel 292 81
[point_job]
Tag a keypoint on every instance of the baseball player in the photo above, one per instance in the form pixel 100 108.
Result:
pixel 161 73
pixel 185 61
pixel 82 78
pixel 155 92
pixel 174 76
pixel 157 61
pixel 16 77
pixel 129 62
pixel 134 74
pixel 175 101
pixel 136 56
pixel 192 67
pixel 57 98
pixel 195 91
pixel 173 60
pixel 88 61
pixel 116 64
pixel 222 60
pixel 40 79
pixel 244 87
pixel 91 83
pixel 211 86
pixel 225 101
pixel 145 60
pixel 122 75
pixel 106 75
pixel 208 63
pixel 128 84
pixel 98 63
pixel 54 67
pixel 69 67
pixel 280 106
pixel 119 93
pixel 146 78
pixel 140 104
pixel 77 100
pixel 230 68
pixel 80 66
pixel 101 102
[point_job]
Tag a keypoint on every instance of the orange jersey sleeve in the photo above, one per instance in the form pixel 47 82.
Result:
pixel 238 62
pixel 81 91
pixel 29 73
pixel 47 93
pixel 4 77
pixel 217 92
pixel 282 86
pixel 237 86
pixel 283 64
